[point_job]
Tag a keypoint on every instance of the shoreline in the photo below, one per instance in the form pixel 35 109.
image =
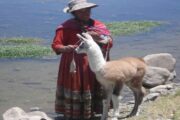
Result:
pixel 29 83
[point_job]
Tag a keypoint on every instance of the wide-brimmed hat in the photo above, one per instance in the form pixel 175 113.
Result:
pixel 74 5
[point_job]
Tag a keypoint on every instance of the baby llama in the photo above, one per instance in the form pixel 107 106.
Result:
pixel 113 74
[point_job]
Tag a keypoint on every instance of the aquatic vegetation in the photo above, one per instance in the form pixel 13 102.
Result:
pixel 22 51
pixel 20 47
pixel 131 27
pixel 23 48
pixel 20 40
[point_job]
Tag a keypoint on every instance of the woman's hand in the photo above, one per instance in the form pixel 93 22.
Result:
pixel 95 35
pixel 69 48
pixel 65 49
pixel 99 39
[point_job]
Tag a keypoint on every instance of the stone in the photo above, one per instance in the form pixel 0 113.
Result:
pixel 161 68
pixel 35 109
pixel 162 60
pixel 161 87
pixel 155 76
pixel 16 113
pixel 151 97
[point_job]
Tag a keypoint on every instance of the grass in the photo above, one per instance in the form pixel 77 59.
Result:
pixel 24 51
pixel 32 47
pixel 23 48
pixel 131 27
pixel 20 40
pixel 164 108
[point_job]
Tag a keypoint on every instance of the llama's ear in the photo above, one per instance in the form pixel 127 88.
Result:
pixel 87 36
pixel 80 37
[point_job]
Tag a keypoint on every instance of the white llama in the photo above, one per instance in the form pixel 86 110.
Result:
pixel 113 74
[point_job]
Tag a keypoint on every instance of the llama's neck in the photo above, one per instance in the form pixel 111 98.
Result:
pixel 96 59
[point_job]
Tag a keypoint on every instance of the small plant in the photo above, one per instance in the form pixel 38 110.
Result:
pixel 131 27
pixel 23 48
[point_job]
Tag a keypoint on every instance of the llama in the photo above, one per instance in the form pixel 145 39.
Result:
pixel 113 74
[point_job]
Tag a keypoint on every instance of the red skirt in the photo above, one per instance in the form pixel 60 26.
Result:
pixel 78 94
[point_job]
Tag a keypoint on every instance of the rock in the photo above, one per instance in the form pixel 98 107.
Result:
pixel 172 76
pixel 161 87
pixel 17 113
pixel 155 76
pixel 35 109
pixel 161 68
pixel 162 60
pixel 13 114
pixel 151 97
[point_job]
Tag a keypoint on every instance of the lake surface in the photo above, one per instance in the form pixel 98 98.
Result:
pixel 31 83
pixel 39 18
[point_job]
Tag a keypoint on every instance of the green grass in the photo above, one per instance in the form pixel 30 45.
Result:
pixel 131 27
pixel 23 48
pixel 32 47
pixel 24 51
pixel 20 40
pixel 164 108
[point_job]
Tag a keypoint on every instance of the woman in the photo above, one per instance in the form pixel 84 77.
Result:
pixel 78 94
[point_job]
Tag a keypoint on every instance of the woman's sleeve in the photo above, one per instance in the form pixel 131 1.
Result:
pixel 58 41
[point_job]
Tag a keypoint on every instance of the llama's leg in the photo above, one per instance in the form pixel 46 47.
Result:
pixel 141 95
pixel 136 105
pixel 139 92
pixel 106 103
pixel 116 106
pixel 116 99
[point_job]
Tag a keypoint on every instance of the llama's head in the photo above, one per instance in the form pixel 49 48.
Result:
pixel 86 43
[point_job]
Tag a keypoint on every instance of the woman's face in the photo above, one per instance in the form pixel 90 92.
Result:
pixel 83 14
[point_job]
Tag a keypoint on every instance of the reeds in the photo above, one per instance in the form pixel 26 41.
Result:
pixel 23 48
pixel 131 27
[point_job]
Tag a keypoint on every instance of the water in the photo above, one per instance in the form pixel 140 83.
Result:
pixel 28 83
pixel 39 18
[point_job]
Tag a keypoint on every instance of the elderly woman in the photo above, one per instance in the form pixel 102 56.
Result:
pixel 78 94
